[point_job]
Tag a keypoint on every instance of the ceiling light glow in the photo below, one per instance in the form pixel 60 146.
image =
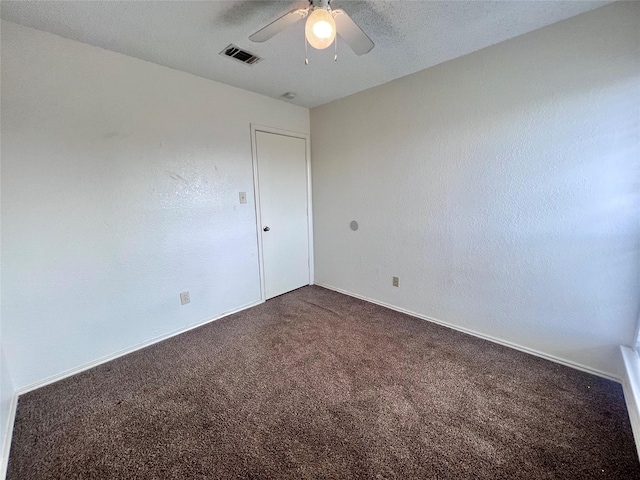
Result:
pixel 320 29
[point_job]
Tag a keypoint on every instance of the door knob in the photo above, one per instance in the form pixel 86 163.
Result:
pixel 266 229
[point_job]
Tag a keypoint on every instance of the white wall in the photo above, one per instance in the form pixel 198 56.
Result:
pixel 501 187
pixel 120 183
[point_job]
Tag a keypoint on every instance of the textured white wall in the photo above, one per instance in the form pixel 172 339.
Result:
pixel 120 183
pixel 501 187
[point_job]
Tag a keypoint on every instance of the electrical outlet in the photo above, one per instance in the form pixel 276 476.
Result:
pixel 184 298
pixel 243 197
pixel 396 281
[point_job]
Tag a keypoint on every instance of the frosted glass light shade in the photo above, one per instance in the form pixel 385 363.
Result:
pixel 320 29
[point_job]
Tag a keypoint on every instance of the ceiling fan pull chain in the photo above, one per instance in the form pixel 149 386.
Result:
pixel 306 53
pixel 335 44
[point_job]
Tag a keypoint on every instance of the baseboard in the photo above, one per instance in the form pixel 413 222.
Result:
pixel 6 447
pixel 107 358
pixel 631 387
pixel 474 333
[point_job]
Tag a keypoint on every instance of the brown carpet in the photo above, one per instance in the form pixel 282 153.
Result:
pixel 315 384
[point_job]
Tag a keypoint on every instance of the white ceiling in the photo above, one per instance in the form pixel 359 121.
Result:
pixel 409 36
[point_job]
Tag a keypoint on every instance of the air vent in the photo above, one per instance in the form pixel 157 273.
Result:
pixel 240 55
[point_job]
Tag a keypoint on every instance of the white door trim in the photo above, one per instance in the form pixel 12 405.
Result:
pixel 256 196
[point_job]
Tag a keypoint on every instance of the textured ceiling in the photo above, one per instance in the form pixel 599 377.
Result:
pixel 409 36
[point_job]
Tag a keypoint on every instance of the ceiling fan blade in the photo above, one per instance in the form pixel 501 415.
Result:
pixel 351 33
pixel 279 25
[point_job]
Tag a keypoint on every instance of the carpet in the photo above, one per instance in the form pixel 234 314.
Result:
pixel 318 385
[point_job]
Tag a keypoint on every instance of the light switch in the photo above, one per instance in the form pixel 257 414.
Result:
pixel 243 197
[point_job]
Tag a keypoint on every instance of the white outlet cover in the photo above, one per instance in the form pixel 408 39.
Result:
pixel 184 298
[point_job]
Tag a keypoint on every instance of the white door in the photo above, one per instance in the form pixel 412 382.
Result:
pixel 283 197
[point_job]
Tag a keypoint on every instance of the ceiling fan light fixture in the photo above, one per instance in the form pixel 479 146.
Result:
pixel 320 28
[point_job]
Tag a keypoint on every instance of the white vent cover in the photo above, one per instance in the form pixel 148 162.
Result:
pixel 240 55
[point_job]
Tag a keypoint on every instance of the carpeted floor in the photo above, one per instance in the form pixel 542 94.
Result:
pixel 315 384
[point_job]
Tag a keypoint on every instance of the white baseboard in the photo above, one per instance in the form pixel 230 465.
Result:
pixel 6 447
pixel 631 387
pixel 126 351
pixel 499 341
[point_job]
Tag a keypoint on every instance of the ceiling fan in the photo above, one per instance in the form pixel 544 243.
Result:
pixel 323 22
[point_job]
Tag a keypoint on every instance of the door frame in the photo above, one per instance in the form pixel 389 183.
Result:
pixel 256 196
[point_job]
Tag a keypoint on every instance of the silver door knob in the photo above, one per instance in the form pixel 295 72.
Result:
pixel 266 229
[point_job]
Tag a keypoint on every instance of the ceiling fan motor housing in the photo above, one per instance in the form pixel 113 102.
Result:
pixel 320 4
